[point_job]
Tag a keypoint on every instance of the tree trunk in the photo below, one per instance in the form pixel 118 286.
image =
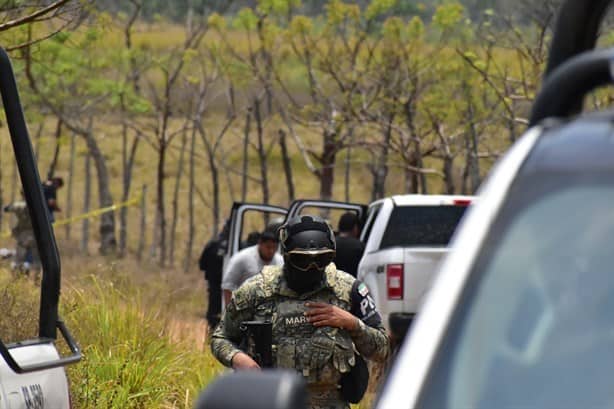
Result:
pixel 448 174
pixel 128 158
pixel 381 170
pixel 108 244
pixel 474 161
pixel 248 118
pixel 419 163
pixel 123 213
pixel 188 252
pixel 465 184
pixel 160 206
pixel 141 247
pixel 175 203
pixel 56 152
pixel 153 249
pixel 410 181
pixel 85 228
pixel 264 179
pixel 215 183
pixel 329 154
pixel 70 183
pixel 287 164
pixel 231 101
pixel 189 16
pixel 37 138
pixel 348 161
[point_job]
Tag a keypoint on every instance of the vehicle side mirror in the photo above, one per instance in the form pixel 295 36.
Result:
pixel 255 390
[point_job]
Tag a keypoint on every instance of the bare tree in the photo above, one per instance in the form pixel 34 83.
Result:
pixel 77 115
pixel 164 101
pixel 61 14
pixel 129 147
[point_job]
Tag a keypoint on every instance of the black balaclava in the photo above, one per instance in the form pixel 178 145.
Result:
pixel 309 233
pixel 303 281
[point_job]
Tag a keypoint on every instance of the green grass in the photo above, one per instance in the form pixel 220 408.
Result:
pixel 135 354
pixel 130 359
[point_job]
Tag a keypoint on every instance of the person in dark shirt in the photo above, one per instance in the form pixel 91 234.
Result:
pixel 349 247
pixel 211 262
pixel 50 191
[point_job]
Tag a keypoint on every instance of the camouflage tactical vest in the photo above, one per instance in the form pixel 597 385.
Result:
pixel 321 354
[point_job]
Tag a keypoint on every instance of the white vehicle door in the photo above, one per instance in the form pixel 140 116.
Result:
pixel 246 218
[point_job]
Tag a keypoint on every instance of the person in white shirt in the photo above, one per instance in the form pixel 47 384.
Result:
pixel 249 262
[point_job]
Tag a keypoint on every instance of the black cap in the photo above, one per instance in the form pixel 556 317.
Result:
pixel 268 236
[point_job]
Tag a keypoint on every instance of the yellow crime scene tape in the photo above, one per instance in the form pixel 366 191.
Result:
pixel 90 215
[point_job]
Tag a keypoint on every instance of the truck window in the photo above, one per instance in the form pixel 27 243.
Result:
pixel 421 226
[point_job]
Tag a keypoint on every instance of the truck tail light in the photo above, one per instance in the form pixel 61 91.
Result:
pixel 462 202
pixel 394 281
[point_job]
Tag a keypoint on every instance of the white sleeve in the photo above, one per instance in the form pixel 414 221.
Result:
pixel 278 260
pixel 232 274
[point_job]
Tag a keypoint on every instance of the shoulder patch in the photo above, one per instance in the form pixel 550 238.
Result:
pixel 363 290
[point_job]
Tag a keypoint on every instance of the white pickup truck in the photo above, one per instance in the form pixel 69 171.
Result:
pixel 405 239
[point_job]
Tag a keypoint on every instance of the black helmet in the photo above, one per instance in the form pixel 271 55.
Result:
pixel 308 246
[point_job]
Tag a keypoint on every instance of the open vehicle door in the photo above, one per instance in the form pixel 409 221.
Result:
pixel 328 209
pixel 246 218
pixel 31 373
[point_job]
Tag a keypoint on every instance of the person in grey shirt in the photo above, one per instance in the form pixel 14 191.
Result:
pixel 249 262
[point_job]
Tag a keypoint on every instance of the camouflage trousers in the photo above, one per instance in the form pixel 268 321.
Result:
pixel 326 398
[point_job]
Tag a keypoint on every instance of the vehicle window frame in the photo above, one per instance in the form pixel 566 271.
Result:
pixel 371 217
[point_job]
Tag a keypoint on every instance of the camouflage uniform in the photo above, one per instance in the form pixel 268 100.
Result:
pixel 320 354
pixel 22 232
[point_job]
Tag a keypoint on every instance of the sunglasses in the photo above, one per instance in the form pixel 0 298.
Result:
pixel 305 259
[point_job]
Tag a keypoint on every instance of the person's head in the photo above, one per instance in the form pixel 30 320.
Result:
pixel 308 246
pixel 56 181
pixel 348 224
pixel 267 245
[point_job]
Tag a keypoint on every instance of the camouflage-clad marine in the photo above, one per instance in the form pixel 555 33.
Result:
pixel 22 232
pixel 320 315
